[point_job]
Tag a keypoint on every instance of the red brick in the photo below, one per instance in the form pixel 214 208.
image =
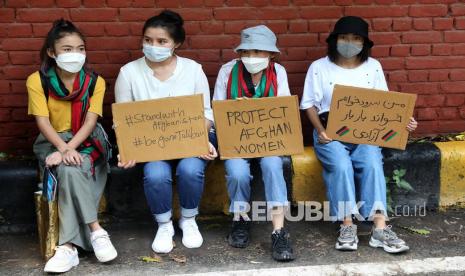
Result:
pixel 196 14
pixel 258 3
pixel 40 15
pixel 68 3
pixel 235 27
pixel 214 3
pixel 423 88
pixel 214 42
pixel 430 100
pixel 457 9
pixel 118 3
pixel 427 114
pixel 148 3
pixel 13 100
pixel 279 2
pixel 278 27
pixel 119 57
pixel 4 86
pixel 19 30
pixel 450 113
pixel 422 37
pixel 41 29
pixel 401 24
pixel 380 51
pixel 460 23
pixel 211 28
pixel 427 10
pixel 397 76
pixel 92 29
pixel 3 58
pixel 377 11
pixel 423 24
pixel 298 26
pixel 168 3
pixel 27 58
pixel 7 15
pixel 439 75
pixel 291 40
pixel 93 3
pixel 94 15
pixel 236 2
pixel 5 114
pixel 434 62
pixel 392 63
pixel 320 26
pixel 443 23
pixel 418 75
pixel 458 49
pixel 343 2
pixel 16 3
pixel 113 43
pixel 451 126
pixel 235 13
pixel 41 3
pixel 389 38
pixel 18 44
pixel 117 29
pixel 420 50
pixel 442 49
pixel 295 53
pixel 20 114
pixel 454 87
pixel 94 57
pixel 320 12
pixel 400 50
pixel 382 24
pixel 457 74
pixel 455 100
pixel 454 36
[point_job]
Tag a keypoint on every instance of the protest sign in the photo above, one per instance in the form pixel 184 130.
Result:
pixel 162 129
pixel 368 116
pixel 248 128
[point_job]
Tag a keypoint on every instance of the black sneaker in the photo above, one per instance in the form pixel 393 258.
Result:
pixel 239 236
pixel 281 246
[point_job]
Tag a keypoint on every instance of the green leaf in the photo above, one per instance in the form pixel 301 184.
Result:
pixel 402 172
pixel 405 185
pixel 417 231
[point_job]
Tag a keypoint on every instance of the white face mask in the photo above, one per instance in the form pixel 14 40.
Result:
pixel 71 62
pixel 255 64
pixel 156 54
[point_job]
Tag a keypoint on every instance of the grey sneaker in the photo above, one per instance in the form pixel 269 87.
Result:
pixel 347 239
pixel 388 240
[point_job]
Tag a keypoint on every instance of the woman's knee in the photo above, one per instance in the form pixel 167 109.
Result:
pixel 155 174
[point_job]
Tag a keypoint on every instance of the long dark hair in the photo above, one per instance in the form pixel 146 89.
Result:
pixel 333 54
pixel 60 29
pixel 171 21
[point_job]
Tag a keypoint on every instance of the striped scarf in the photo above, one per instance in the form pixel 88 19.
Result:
pixel 83 87
pixel 240 83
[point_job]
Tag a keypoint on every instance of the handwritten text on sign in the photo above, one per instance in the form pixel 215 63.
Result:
pixel 249 128
pixel 367 116
pixel 162 129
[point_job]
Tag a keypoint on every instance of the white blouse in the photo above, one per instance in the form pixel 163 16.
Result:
pixel 136 82
pixel 220 92
pixel 324 74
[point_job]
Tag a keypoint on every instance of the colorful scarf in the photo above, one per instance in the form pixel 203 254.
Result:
pixel 240 83
pixel 83 87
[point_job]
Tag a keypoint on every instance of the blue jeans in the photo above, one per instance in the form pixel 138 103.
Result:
pixel 352 172
pixel 238 179
pixel 158 188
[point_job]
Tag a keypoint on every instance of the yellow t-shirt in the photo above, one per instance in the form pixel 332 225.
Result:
pixel 59 112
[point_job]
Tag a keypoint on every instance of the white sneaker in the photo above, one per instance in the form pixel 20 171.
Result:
pixel 163 242
pixel 63 260
pixel 191 237
pixel 103 248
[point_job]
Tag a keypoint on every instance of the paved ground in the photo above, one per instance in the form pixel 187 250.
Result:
pixel 313 244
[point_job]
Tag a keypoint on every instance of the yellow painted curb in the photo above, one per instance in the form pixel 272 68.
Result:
pixel 452 174
pixel 307 182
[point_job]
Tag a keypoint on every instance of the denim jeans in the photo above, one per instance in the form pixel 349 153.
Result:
pixel 158 182
pixel 352 172
pixel 238 179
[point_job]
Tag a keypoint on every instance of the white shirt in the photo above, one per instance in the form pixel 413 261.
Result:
pixel 136 82
pixel 223 77
pixel 324 74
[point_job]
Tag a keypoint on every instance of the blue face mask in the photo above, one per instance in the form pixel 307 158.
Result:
pixel 348 50
pixel 156 54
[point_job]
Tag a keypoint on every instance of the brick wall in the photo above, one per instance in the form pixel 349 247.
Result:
pixel 420 43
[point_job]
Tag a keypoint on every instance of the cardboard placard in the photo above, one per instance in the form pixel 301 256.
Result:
pixel 248 128
pixel 161 129
pixel 368 116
